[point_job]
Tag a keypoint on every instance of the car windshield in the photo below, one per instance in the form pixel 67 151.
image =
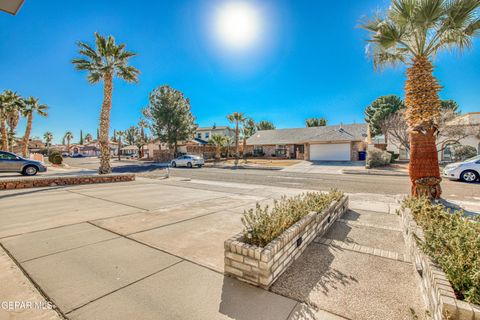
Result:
pixel 477 158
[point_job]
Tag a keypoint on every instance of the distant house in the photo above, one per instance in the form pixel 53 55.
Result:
pixel 92 148
pixel 205 133
pixel 129 151
pixel 328 143
pixel 34 146
pixel 445 144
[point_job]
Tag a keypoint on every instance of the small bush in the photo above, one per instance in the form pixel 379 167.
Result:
pixel 55 158
pixel 377 158
pixel 394 156
pixel 263 224
pixel 453 241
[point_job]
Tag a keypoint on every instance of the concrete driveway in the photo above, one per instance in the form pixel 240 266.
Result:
pixel 329 167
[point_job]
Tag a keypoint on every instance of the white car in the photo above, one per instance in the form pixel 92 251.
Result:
pixel 468 170
pixel 188 161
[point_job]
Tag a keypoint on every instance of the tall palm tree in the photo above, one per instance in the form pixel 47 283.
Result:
pixel 10 106
pixel 249 129
pixel 413 32
pixel 32 106
pixel 238 118
pixel 68 136
pixel 119 142
pixel 219 142
pixel 48 137
pixel 103 63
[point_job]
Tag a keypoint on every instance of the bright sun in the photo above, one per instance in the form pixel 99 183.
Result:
pixel 237 25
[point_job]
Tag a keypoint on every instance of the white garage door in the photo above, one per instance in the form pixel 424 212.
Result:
pixel 330 152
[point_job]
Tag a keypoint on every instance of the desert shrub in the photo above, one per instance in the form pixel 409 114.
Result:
pixel 453 241
pixel 262 224
pixel 377 158
pixel 55 157
pixel 394 156
pixel 460 153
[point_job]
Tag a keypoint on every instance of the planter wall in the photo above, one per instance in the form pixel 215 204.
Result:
pixel 49 181
pixel 262 266
pixel 436 289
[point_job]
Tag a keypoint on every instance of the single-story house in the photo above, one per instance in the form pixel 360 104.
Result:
pixel 328 143
pixel 129 151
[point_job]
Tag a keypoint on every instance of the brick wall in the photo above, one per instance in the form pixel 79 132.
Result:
pixel 262 266
pixel 435 287
pixel 49 181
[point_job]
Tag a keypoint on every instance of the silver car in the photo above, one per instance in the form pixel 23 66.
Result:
pixel 468 170
pixel 10 162
pixel 188 161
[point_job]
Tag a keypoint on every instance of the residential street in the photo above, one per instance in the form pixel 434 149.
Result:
pixel 352 183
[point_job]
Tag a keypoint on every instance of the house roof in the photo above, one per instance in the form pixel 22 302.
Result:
pixel 212 128
pixel 349 132
pixel 131 147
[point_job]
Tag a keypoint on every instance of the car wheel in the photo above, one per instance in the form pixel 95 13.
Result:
pixel 174 164
pixel 199 165
pixel 189 165
pixel 469 176
pixel 30 171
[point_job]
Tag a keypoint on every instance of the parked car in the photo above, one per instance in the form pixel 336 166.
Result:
pixel 77 155
pixel 468 170
pixel 10 162
pixel 188 161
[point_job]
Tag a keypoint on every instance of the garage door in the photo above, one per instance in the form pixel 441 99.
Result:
pixel 330 152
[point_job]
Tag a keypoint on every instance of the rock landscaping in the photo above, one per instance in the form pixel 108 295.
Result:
pixel 273 239
pixel 49 181
pixel 445 250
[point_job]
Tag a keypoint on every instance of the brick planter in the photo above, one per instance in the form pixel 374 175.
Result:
pixel 262 266
pixel 50 181
pixel 436 289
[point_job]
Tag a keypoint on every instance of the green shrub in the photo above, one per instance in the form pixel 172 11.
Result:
pixel 262 225
pixel 377 158
pixel 55 158
pixel 453 241
pixel 394 156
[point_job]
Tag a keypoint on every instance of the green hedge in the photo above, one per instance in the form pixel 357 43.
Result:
pixel 453 241
pixel 55 157
pixel 263 224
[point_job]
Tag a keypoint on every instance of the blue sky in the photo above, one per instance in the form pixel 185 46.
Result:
pixel 310 61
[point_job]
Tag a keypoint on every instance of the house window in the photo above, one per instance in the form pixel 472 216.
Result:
pixel 281 150
pixel 199 135
pixel 207 135
pixel 258 151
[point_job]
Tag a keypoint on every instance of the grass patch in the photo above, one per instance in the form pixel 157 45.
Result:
pixel 263 224
pixel 453 241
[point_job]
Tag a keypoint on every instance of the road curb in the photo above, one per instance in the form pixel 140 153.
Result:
pixel 376 172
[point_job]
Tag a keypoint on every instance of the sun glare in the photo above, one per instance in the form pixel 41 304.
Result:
pixel 237 25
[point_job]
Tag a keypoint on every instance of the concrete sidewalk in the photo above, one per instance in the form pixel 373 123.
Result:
pixel 145 248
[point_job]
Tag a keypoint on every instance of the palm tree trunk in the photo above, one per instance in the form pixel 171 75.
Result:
pixel 68 145
pixel 105 167
pixel 423 107
pixel 244 147
pixel 237 134
pixel 3 129
pixel 26 137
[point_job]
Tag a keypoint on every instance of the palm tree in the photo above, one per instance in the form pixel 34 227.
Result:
pixel 106 61
pixel 10 106
pixel 412 33
pixel 68 136
pixel 219 142
pixel 265 125
pixel 142 124
pixel 32 106
pixel 48 137
pixel 237 118
pixel 229 143
pixel 119 142
pixel 316 122
pixel 88 137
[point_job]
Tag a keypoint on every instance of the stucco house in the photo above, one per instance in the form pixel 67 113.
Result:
pixel 328 143
pixel 468 123
pixel 205 133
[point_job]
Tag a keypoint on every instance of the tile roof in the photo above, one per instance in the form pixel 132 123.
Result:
pixel 349 132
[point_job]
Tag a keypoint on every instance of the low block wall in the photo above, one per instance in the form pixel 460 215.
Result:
pixel 262 266
pixel 49 181
pixel 436 289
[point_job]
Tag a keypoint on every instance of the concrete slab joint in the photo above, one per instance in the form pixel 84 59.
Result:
pixel 435 287
pixel 262 266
